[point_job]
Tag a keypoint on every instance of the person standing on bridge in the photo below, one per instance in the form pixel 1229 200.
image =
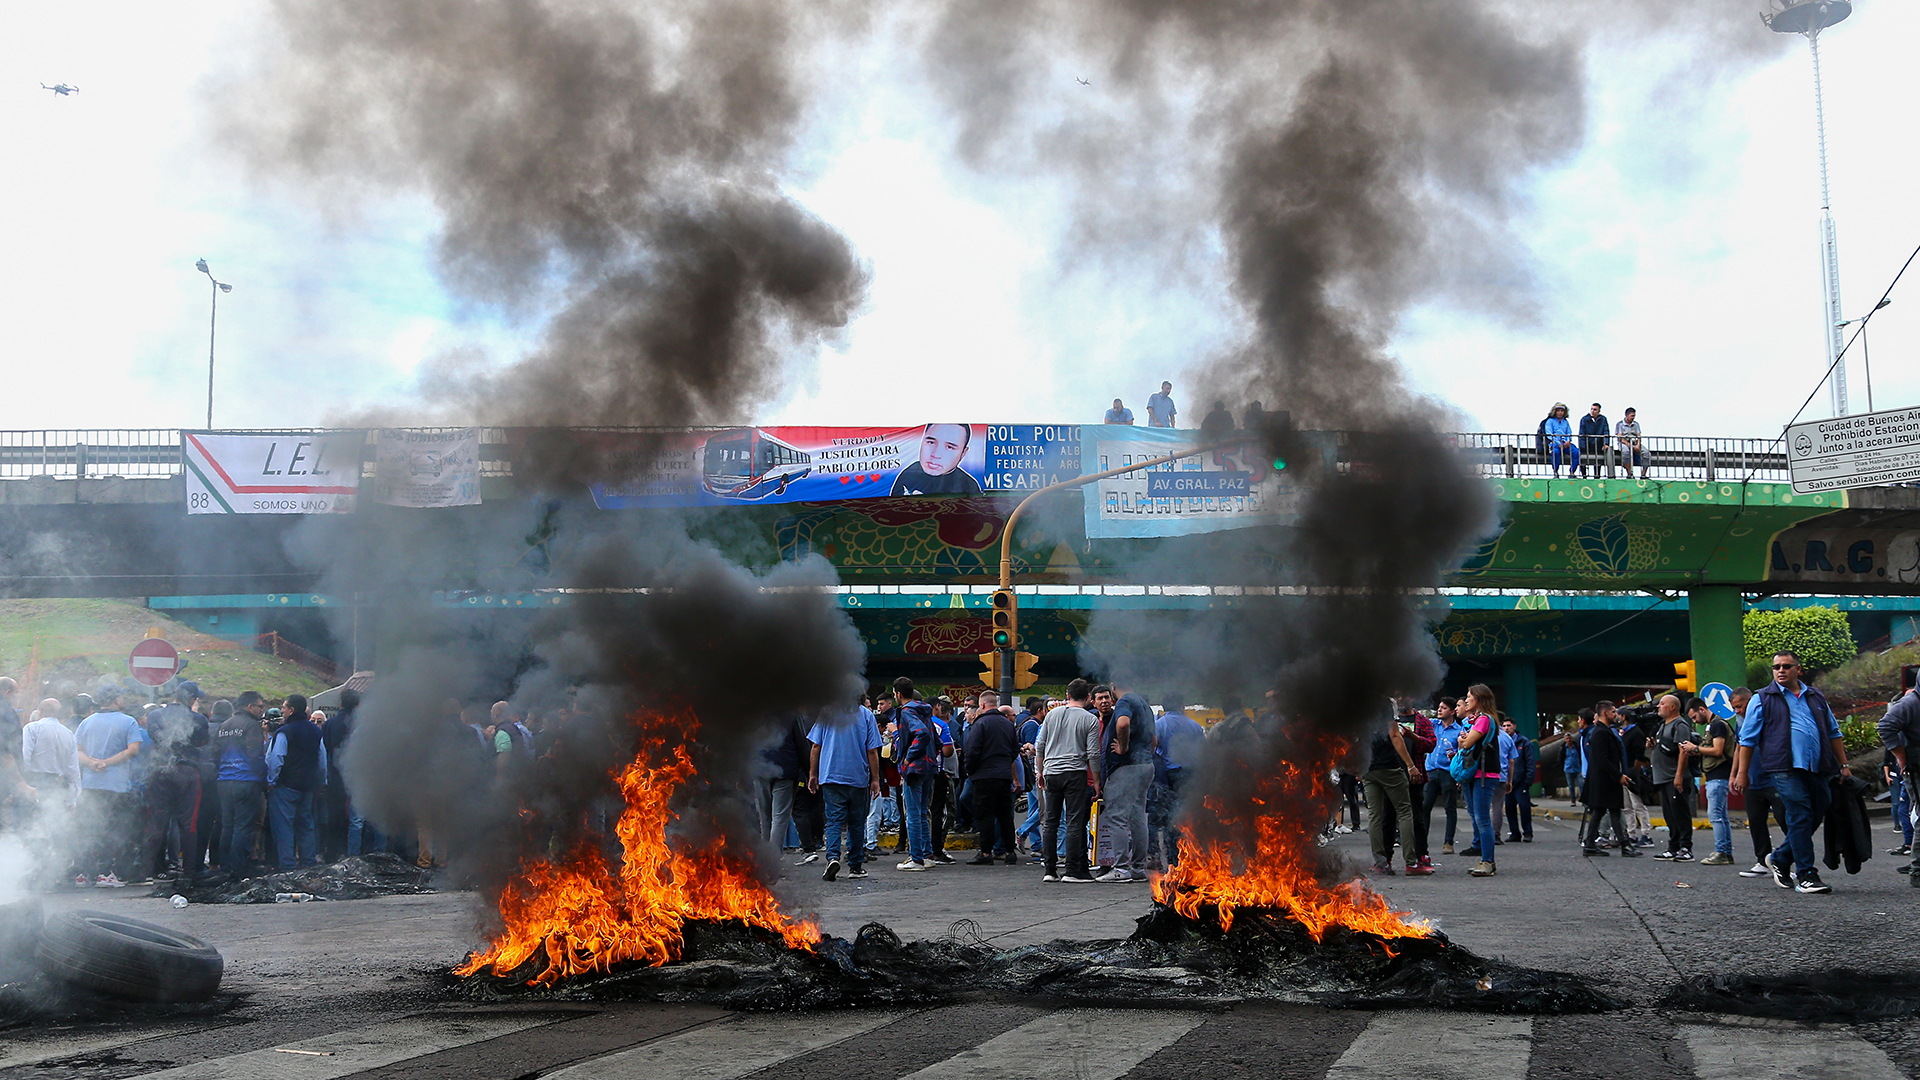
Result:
pixel 1160 410
pixel 1790 735
pixel 1119 414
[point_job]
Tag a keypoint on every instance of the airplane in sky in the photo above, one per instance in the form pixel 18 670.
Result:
pixel 61 88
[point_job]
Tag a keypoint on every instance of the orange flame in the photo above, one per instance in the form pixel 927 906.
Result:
pixel 588 916
pixel 1278 872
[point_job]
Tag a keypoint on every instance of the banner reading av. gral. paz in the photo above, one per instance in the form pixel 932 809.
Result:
pixel 1232 488
pixel 427 468
pixel 268 473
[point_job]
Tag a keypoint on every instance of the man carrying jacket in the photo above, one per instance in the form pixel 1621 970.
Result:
pixel 1790 735
pixel 1900 729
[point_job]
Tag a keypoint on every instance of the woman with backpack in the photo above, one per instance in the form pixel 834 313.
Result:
pixel 1480 747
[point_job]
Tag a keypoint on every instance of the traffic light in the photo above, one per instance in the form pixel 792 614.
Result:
pixel 1683 678
pixel 990 678
pixel 1006 632
pixel 1023 675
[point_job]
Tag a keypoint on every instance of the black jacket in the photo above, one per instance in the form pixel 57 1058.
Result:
pixel 1849 837
pixel 1603 790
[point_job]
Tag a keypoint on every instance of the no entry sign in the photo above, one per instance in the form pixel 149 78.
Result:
pixel 154 661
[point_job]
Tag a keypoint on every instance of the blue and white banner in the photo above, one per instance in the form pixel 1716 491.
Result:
pixel 1235 487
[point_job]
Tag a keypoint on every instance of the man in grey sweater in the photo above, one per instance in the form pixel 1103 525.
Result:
pixel 1069 753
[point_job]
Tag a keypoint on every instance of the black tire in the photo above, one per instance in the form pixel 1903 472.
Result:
pixel 128 958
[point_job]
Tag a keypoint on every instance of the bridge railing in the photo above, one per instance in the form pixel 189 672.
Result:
pixel 1658 457
pixel 155 452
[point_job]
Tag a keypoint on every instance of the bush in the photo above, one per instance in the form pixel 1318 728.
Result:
pixel 1820 636
pixel 1871 676
pixel 1859 735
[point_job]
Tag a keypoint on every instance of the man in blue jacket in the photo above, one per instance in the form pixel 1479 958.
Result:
pixel 296 771
pixel 1790 736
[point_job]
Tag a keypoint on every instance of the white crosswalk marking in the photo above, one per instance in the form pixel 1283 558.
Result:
pixel 1087 1044
pixel 350 1051
pixel 1785 1052
pixel 1437 1046
pixel 728 1048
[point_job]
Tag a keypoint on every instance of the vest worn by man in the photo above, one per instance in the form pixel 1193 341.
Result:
pixel 301 769
pixel 1774 751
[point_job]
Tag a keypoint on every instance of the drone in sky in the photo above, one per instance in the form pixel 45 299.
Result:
pixel 61 88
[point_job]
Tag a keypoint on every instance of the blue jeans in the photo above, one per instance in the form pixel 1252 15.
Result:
pixel 1030 828
pixel 1480 797
pixel 919 792
pixel 362 837
pixel 1566 450
pixel 1903 810
pixel 846 811
pixel 1806 798
pixel 1717 813
pixel 882 813
pixel 290 815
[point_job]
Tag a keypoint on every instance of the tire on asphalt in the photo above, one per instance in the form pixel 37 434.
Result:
pixel 128 958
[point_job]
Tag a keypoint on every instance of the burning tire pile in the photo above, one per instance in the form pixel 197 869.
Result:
pixel 1169 957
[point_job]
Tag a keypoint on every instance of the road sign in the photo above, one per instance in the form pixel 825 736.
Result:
pixel 154 661
pixel 1719 698
pixel 1854 451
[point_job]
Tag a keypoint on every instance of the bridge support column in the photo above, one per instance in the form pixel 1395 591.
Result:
pixel 1714 631
pixel 1520 696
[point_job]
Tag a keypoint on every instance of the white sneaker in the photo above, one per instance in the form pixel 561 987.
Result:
pixel 911 864
pixel 1115 875
pixel 109 881
pixel 1756 870
pixel 812 857
pixel 1049 877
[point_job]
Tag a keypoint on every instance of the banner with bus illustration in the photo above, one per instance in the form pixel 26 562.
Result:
pixel 730 466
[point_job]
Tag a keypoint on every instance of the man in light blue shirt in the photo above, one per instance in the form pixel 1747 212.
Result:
pixel 1790 736
pixel 1441 787
pixel 1119 414
pixel 1160 410
pixel 843 767
pixel 106 744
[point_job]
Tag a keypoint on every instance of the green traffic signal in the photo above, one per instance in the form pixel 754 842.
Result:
pixel 1001 639
pixel 1279 464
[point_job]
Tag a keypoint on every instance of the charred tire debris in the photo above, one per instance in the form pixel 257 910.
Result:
pixel 1840 996
pixel 356 877
pixel 1169 959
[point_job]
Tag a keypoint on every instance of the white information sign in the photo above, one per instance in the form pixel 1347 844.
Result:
pixel 428 468
pixel 1235 487
pixel 257 473
pixel 1855 451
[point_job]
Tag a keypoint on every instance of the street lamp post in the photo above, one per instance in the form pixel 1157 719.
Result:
pixel 213 321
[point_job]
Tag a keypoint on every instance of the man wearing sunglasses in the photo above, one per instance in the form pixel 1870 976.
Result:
pixel 1790 736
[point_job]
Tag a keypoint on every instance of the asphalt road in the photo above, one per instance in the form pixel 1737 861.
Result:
pixel 357 987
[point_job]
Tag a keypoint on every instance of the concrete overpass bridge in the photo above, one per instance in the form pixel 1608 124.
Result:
pixel 1607 573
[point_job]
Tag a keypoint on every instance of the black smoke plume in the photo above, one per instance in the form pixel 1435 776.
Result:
pixel 613 171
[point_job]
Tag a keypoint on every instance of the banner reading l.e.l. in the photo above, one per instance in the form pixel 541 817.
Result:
pixel 272 473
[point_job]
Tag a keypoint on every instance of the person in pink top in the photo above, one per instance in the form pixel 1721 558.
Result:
pixel 1489 781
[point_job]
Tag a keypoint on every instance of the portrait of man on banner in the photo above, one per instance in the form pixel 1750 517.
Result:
pixel 943 447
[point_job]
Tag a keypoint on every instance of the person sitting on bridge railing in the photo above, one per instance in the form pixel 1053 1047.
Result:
pixel 1557 432
pixel 1627 431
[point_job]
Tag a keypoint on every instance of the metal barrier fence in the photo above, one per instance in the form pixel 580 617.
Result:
pixel 1655 457
pixel 155 452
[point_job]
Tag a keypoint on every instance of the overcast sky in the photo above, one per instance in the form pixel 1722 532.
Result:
pixel 1675 255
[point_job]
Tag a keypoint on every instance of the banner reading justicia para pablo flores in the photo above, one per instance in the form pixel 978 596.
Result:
pixel 272 472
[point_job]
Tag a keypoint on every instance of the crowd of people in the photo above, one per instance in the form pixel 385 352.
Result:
pixel 1781 750
pixel 933 767
pixel 116 794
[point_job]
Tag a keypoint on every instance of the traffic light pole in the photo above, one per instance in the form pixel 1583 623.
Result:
pixel 1006 536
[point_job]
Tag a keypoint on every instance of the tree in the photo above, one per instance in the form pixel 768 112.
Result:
pixel 1820 636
